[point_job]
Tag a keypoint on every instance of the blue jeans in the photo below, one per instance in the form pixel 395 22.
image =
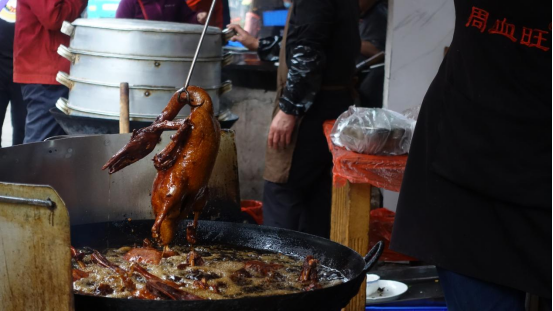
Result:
pixel 463 293
pixel 39 99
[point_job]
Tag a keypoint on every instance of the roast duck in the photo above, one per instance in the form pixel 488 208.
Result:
pixel 183 166
pixel 180 188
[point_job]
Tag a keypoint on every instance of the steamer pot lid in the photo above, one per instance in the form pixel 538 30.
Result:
pixel 143 25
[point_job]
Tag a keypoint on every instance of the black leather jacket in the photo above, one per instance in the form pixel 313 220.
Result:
pixel 321 49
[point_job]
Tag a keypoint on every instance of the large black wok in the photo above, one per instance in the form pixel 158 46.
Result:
pixel 334 255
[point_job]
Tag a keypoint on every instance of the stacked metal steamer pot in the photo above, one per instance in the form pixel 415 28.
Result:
pixel 153 57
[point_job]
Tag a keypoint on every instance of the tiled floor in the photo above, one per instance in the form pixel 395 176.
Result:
pixel 7 130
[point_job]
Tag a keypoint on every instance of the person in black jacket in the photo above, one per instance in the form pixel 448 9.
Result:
pixel 315 83
pixel 476 196
pixel 10 92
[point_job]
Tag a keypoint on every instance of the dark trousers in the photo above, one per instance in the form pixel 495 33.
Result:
pixel 304 202
pixel 11 93
pixel 463 293
pixel 40 98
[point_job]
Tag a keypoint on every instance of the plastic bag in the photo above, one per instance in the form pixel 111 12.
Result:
pixel 412 113
pixel 380 171
pixel 373 131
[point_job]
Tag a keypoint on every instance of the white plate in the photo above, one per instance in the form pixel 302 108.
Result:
pixel 392 291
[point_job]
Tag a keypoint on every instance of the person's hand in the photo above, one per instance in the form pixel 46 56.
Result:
pixel 282 127
pixel 202 17
pixel 242 36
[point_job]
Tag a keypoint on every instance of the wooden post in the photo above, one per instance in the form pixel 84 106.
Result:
pixel 351 206
pixel 124 115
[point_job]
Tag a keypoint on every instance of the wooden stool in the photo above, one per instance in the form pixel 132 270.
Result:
pixel 354 176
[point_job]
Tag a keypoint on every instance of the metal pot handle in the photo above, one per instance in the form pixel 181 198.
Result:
pixel 227 59
pixel 64 52
pixel 372 256
pixel 63 78
pixel 67 28
pixel 61 104
pixel 228 33
pixel 225 87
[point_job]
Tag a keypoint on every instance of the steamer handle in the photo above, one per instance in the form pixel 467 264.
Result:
pixel 225 87
pixel 67 28
pixel 228 33
pixel 228 58
pixel 63 78
pixel 61 104
pixel 64 52
pixel 372 256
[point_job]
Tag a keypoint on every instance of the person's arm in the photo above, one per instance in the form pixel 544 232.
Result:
pixel 268 48
pixel 309 32
pixel 126 9
pixel 52 13
pixel 250 42
pixel 368 49
pixel 187 15
pixel 373 31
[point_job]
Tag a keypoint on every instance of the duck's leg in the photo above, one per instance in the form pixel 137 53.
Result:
pixel 167 157
pixel 197 207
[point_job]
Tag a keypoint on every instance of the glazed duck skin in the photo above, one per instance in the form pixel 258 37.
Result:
pixel 184 165
pixel 182 188
pixel 143 141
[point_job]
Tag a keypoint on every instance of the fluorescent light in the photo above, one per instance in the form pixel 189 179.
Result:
pixel 110 6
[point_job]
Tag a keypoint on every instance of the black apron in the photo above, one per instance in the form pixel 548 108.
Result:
pixel 476 196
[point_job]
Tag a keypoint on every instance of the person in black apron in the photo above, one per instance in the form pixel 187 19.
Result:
pixel 476 196
pixel 317 66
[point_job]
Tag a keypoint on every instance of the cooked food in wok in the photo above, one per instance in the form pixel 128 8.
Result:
pixel 183 167
pixel 196 273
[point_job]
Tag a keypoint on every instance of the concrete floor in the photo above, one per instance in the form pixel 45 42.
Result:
pixel 7 130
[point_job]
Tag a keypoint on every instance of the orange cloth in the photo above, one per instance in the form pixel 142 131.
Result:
pixel 204 5
pixel 380 171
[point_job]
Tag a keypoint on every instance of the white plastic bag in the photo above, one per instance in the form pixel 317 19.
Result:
pixel 373 131
pixel 413 112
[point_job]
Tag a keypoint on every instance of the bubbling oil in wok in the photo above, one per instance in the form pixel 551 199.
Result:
pixel 221 272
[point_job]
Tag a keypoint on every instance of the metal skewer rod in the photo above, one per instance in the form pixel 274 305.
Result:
pixel 199 45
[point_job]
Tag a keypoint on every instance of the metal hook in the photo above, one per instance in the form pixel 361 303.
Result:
pixel 188 99
pixel 184 90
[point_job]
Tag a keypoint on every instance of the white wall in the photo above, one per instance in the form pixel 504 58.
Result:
pixel 418 32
